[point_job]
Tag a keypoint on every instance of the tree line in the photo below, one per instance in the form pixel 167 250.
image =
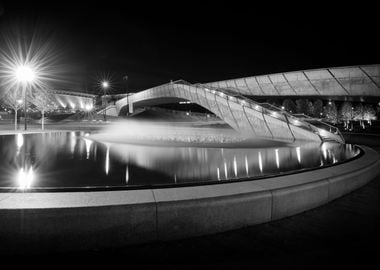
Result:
pixel 41 100
pixel 330 111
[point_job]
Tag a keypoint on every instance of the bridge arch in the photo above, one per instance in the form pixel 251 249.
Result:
pixel 242 114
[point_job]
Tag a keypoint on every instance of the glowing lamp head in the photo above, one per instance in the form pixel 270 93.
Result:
pixel 105 84
pixel 25 74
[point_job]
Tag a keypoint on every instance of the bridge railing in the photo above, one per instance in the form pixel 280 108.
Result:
pixel 275 112
pixel 320 124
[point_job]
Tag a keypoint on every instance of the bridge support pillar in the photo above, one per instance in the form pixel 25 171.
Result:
pixel 130 105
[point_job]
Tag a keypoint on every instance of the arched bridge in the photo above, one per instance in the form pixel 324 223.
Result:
pixel 254 120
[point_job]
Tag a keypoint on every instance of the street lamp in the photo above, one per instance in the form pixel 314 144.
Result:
pixel 25 75
pixel 105 86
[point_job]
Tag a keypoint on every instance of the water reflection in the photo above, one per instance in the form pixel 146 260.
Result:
pixel 75 160
pixel 19 141
pixel 88 147
pixel 298 150
pixel 260 163
pixel 246 164
pixel 25 178
pixel 107 164
pixel 277 159
pixel 126 174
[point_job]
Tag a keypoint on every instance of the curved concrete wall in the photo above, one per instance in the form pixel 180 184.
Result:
pixel 77 220
pixel 242 115
pixel 340 81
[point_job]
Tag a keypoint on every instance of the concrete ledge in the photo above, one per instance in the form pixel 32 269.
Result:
pixel 180 219
pixel 295 199
pixel 81 220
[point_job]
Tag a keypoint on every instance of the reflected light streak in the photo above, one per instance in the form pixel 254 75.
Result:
pixel 88 147
pixel 73 142
pixel 19 140
pixel 324 151
pixel 127 174
pixel 235 166
pixel 298 150
pixel 277 159
pixel 260 163
pixel 225 170
pixel 25 178
pixel 246 165
pixel 218 173
pixel 107 166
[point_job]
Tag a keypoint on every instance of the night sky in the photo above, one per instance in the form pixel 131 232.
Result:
pixel 155 44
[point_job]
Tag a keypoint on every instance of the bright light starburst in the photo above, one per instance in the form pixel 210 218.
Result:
pixel 25 74
pixel 28 62
pixel 105 84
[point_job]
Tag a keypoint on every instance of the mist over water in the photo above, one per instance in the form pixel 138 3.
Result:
pixel 132 130
pixel 185 134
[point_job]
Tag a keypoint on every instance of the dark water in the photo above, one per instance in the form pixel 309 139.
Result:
pixel 71 159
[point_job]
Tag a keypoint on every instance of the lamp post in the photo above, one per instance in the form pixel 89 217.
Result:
pixel 105 86
pixel 125 78
pixel 25 75
pixel 19 102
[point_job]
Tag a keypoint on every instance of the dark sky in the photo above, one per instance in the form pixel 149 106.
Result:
pixel 198 43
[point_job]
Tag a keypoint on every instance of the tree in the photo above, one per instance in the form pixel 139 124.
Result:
pixel 331 112
pixel 318 108
pixel 345 111
pixel 13 100
pixel 302 106
pixel 369 112
pixel 274 102
pixel 43 100
pixel 310 108
pixel 359 112
pixel 289 106
pixel 377 111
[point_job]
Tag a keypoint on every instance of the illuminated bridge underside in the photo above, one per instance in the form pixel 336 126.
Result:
pixel 342 81
pixel 249 119
pixel 73 100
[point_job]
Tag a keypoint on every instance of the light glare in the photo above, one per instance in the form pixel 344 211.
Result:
pixel 105 84
pixel 25 178
pixel 25 74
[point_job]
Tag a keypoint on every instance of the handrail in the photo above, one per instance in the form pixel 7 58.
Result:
pixel 336 130
pixel 272 111
pixel 257 107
